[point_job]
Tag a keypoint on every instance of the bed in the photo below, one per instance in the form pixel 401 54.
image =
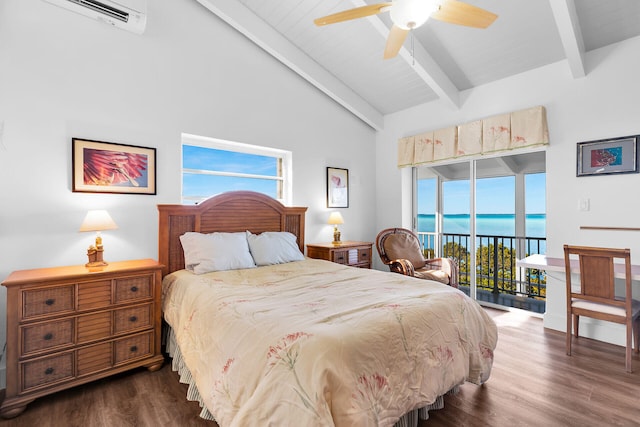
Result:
pixel 297 341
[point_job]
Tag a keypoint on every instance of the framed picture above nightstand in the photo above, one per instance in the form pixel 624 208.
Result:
pixel 354 254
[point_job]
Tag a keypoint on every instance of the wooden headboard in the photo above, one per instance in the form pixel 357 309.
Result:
pixel 228 212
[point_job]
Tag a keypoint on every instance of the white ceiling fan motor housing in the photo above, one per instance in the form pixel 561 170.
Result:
pixel 409 14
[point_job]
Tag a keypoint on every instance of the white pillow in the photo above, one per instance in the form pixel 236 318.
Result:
pixel 215 252
pixel 274 247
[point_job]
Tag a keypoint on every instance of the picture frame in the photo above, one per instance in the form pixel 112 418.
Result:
pixel 337 188
pixel 105 167
pixel 608 156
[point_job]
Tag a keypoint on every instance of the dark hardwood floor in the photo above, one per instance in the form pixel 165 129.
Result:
pixel 533 383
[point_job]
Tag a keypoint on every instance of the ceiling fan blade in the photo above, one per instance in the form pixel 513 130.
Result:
pixel 396 38
pixel 457 12
pixel 347 15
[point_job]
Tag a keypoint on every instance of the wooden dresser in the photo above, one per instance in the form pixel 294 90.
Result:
pixel 355 254
pixel 70 325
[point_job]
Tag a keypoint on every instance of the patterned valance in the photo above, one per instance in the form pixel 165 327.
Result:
pixel 510 131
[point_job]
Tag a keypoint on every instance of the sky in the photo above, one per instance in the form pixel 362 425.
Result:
pixel 493 195
pixel 194 157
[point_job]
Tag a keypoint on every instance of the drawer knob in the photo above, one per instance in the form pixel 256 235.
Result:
pixel 50 301
pixel 48 336
pixel 48 371
pixel 133 348
pixel 133 319
pixel 134 289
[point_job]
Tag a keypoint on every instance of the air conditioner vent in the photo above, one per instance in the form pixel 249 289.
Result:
pixel 103 8
pixel 129 15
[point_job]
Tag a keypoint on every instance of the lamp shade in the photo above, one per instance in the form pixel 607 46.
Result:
pixel 98 220
pixel 335 218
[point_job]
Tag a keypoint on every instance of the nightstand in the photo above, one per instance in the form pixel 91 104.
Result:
pixel 355 254
pixel 70 325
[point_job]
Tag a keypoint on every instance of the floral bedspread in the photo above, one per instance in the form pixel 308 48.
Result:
pixel 313 343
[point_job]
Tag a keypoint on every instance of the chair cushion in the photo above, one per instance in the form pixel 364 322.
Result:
pixel 437 275
pixel 404 246
pixel 606 308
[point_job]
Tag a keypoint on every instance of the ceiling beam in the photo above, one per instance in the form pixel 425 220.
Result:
pixel 508 164
pixel 564 12
pixel 441 171
pixel 428 69
pixel 255 29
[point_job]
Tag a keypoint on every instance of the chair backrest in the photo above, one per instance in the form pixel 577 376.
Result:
pixel 400 243
pixel 597 274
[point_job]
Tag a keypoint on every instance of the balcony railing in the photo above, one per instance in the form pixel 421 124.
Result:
pixel 498 279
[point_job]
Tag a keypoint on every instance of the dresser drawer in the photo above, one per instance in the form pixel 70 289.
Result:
pixel 46 335
pixel 95 294
pixel 129 319
pixel 364 255
pixel 341 257
pixel 133 288
pixel 95 326
pixel 135 347
pixel 38 302
pixel 47 370
pixel 95 358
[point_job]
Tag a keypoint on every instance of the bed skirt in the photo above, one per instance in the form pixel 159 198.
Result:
pixel 410 419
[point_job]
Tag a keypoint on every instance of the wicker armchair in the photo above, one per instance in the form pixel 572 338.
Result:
pixel 401 250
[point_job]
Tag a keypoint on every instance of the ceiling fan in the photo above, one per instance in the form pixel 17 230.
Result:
pixel 409 14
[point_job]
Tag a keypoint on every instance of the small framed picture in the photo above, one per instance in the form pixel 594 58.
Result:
pixel 104 167
pixel 337 188
pixel 608 156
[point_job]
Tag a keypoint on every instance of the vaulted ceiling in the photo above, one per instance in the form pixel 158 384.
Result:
pixel 438 60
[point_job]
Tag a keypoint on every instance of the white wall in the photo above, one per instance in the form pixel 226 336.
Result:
pixel 63 75
pixel 602 105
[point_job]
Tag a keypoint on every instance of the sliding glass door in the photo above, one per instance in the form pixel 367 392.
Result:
pixel 486 213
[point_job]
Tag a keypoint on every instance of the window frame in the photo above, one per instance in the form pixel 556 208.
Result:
pixel 285 157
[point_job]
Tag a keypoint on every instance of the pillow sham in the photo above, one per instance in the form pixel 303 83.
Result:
pixel 204 253
pixel 274 247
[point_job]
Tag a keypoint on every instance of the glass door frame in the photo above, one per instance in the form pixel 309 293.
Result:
pixel 519 208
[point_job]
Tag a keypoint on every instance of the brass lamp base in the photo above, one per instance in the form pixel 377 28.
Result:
pixel 336 236
pixel 95 257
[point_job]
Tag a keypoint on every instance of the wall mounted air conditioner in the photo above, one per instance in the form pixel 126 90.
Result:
pixel 129 15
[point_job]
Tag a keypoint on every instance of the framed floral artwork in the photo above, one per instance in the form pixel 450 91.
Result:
pixel 104 167
pixel 608 156
pixel 337 188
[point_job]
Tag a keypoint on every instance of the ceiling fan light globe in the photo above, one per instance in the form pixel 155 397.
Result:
pixel 409 14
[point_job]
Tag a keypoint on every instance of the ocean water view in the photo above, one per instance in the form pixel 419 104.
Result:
pixel 490 225
pixel 486 224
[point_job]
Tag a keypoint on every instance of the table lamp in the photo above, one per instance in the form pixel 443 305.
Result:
pixel 334 219
pixel 97 220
